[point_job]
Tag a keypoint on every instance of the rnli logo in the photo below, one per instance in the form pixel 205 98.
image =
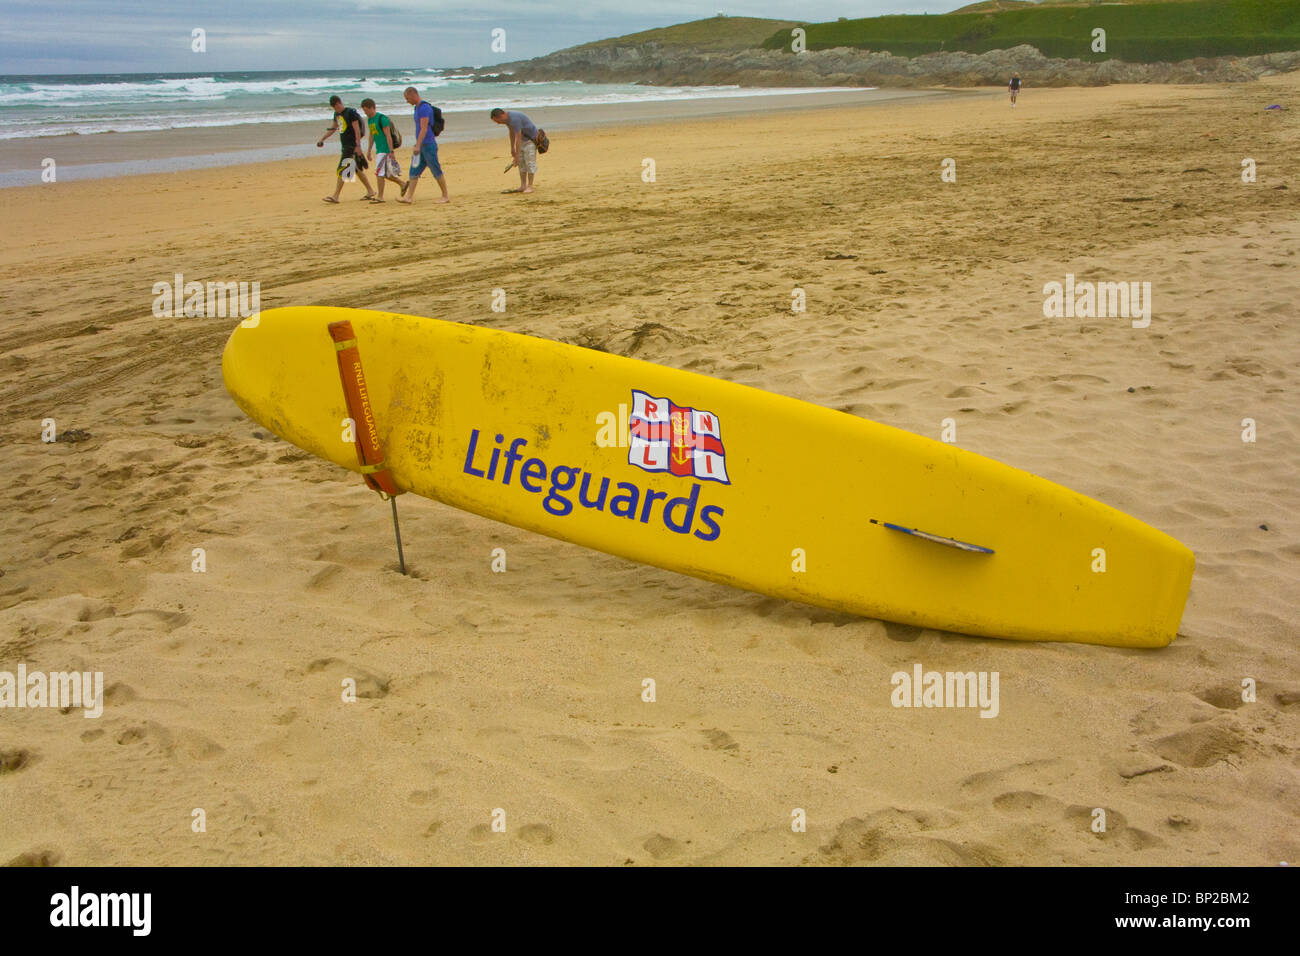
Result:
pixel 685 442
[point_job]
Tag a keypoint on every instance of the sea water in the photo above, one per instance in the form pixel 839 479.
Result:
pixel 87 104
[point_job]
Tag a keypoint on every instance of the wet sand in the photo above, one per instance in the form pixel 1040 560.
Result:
pixel 135 153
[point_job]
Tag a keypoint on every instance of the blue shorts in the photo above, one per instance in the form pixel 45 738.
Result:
pixel 426 156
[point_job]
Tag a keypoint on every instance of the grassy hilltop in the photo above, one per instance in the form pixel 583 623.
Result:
pixel 714 35
pixel 1147 41
pixel 1135 32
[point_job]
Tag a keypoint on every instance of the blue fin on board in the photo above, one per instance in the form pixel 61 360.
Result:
pixel 937 539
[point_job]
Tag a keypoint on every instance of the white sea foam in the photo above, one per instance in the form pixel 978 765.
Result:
pixel 32 107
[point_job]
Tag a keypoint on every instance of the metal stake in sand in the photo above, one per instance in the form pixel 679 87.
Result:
pixel 397 530
pixel 370 456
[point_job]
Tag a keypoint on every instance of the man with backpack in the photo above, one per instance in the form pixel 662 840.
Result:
pixel 526 141
pixel 347 123
pixel 384 139
pixel 424 151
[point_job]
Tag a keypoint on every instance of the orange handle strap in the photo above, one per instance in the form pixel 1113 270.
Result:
pixel 370 454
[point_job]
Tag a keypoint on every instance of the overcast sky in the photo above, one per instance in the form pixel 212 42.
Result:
pixel 153 36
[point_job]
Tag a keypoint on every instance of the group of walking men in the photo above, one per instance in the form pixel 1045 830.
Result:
pixel 384 139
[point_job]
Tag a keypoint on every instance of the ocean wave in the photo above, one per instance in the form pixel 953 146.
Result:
pixel 153 124
pixel 195 89
pixel 188 104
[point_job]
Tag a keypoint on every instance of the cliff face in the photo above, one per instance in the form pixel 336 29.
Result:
pixel 658 65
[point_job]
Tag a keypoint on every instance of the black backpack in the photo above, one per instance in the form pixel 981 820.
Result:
pixel 394 135
pixel 438 124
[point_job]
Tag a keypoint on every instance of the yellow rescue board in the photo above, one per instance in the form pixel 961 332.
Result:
pixel 716 480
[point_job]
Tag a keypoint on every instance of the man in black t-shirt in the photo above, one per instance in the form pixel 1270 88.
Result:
pixel 352 132
pixel 1014 88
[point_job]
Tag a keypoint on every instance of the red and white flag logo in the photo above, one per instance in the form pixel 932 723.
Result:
pixel 682 441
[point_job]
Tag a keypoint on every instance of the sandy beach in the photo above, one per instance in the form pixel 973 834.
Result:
pixel 522 691
pixel 176 150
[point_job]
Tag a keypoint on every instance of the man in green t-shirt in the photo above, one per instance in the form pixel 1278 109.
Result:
pixel 387 167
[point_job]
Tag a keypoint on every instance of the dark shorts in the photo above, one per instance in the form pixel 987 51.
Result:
pixel 425 156
pixel 360 163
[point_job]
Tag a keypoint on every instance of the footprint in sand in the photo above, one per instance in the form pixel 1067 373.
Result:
pixel 1225 698
pixel 538 834
pixel 79 608
pixel 720 740
pixel 140 547
pixel 661 847
pixel 14 759
pixel 1177 711
pixel 903 633
pixel 118 693
pixel 1202 746
pixel 1117 830
pixel 1044 813
pixel 987 778
pixel 902 837
pixel 322 578
pixel 170 620
pixel 1024 801
pixel 195 745
pixel 37 858
pixel 1132 765
pixel 369 685
pixel 572 744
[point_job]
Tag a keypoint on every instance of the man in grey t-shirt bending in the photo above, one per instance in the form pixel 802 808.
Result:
pixel 523 144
